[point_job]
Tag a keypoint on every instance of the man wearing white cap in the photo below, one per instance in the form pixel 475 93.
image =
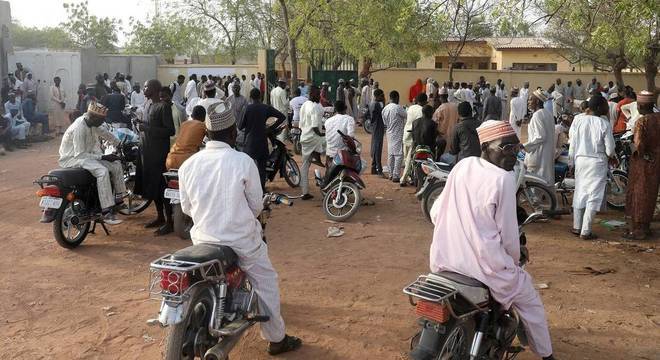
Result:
pixel 540 146
pixel 518 110
pixel 221 190
pixel 280 101
pixel 80 148
pixel 480 195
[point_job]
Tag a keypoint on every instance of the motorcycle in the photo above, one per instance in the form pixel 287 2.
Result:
pixel 295 140
pixel 69 198
pixel 617 183
pixel 460 320
pixel 182 222
pixel 281 161
pixel 533 195
pixel 207 300
pixel 341 185
pixel 623 150
pixel 422 153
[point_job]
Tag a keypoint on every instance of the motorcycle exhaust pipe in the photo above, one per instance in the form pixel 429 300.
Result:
pixel 221 350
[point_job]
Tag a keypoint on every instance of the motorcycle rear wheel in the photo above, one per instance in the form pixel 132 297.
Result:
pixel 182 222
pixel 430 196
pixel 351 199
pixel 368 126
pixel 292 173
pixel 616 190
pixel 536 197
pixel 63 230
pixel 190 338
pixel 454 343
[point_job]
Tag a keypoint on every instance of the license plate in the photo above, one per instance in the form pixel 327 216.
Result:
pixel 50 202
pixel 172 194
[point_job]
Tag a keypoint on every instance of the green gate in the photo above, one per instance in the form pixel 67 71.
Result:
pixel 330 66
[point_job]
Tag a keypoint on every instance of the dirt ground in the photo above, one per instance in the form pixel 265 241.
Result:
pixel 342 296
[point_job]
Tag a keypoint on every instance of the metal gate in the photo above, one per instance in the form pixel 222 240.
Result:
pixel 331 65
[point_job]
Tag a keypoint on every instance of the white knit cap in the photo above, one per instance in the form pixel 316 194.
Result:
pixel 219 116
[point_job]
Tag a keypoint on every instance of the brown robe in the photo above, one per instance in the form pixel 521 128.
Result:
pixel 644 172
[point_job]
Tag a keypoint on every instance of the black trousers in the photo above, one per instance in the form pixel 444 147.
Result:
pixel 377 139
pixel 261 166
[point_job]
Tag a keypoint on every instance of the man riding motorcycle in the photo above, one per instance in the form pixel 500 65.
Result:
pixel 80 148
pixel 220 189
pixel 476 233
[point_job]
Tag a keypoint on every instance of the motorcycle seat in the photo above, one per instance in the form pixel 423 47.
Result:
pixel 73 176
pixel 461 279
pixel 203 253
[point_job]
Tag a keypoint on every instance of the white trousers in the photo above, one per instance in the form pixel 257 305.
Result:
pixel 108 175
pixel 394 163
pixel 19 129
pixel 304 173
pixel 582 219
pixel 263 279
pixel 529 307
pixel 407 158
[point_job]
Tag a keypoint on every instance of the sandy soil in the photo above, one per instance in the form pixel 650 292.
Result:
pixel 342 296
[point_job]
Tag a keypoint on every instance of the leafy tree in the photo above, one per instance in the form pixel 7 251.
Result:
pixel 32 37
pixel 168 36
pixel 89 30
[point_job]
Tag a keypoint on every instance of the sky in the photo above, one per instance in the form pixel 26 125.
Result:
pixel 42 13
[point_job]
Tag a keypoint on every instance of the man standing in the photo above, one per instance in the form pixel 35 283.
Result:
pixel 80 148
pixel 540 147
pixel 413 113
pixel 311 137
pixel 29 86
pixel 376 111
pixel 365 99
pixel 137 97
pixel 644 171
pixel 178 93
pixel 579 91
pixel 620 125
pixel 341 94
pixel 351 97
pixel 339 122
pixel 238 105
pixel 492 107
pixel 591 143
pixel 254 126
pixel 191 88
pixel 394 119
pixel 425 130
pixel 486 245
pixel 231 218
pixel 518 111
pixel 280 101
pixel 295 104
pixel 210 90
pixel 524 92
pixel 57 105
pixel 446 116
pixel 245 87
pixel 157 129
pixel 465 142
pixel 115 102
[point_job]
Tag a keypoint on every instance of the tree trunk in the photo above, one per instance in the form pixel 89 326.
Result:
pixel 451 72
pixel 651 67
pixel 366 67
pixel 620 64
pixel 291 44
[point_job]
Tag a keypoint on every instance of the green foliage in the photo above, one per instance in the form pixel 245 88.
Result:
pixel 32 37
pixel 168 36
pixel 89 30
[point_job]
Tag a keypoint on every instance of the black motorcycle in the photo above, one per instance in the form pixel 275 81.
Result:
pixel 281 161
pixel 69 198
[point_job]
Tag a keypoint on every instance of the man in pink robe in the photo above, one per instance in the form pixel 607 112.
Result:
pixel 476 230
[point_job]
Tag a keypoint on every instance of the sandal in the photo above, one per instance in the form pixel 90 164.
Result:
pixel 591 236
pixel 575 232
pixel 289 343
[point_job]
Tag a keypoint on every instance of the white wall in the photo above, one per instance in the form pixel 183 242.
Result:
pixel 46 64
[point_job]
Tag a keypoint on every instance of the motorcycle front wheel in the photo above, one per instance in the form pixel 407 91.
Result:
pixel 66 234
pixel 340 207
pixel 535 197
pixel 431 194
pixel 616 190
pixel 134 203
pixel 292 173
pixel 368 126
pixel 182 222
pixel 190 338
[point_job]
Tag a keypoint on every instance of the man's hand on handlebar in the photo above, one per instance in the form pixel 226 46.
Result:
pixel 110 157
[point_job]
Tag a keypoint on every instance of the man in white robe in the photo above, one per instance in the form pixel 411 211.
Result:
pixel 231 219
pixel 191 88
pixel 413 113
pixel 540 146
pixel 80 148
pixel 518 110
pixel 476 232
pixel 178 92
pixel 394 118
pixel 591 143
pixel 524 92
pixel 280 101
pixel 311 137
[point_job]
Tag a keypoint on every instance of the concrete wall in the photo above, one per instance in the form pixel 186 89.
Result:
pixel 141 67
pixel 5 43
pixel 168 73
pixel 402 79
pixel 46 64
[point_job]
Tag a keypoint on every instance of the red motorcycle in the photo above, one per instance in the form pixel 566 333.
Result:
pixel 342 184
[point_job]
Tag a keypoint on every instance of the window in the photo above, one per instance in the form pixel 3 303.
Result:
pixel 438 62
pixel 534 66
pixel 483 66
pixel 404 65
pixel 493 66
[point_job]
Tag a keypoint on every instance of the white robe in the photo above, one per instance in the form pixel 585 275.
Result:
pixel 591 143
pixel 476 234
pixel 517 113
pixel 540 147
pixel 394 118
